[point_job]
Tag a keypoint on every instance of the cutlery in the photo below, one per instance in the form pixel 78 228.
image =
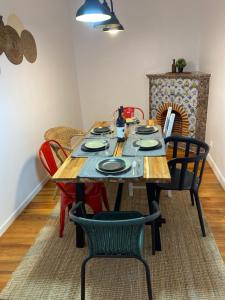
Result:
pixel 134 165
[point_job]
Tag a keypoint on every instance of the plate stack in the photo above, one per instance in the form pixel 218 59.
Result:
pixel 101 130
pixel 148 144
pixel 113 166
pixel 146 129
pixel 95 145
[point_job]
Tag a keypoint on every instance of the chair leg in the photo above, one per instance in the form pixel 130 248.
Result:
pixel 157 195
pixel 157 237
pixel 62 220
pixel 105 199
pixel 55 192
pixel 83 277
pixel 118 197
pixel 69 207
pixel 198 205
pixel 153 237
pixel 131 189
pixel 192 198
pixel 148 279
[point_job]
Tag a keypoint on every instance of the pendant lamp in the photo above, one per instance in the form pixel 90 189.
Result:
pixel 111 24
pixel 93 11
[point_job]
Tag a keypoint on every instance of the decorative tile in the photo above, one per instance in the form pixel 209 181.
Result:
pixel 186 90
pixel 179 91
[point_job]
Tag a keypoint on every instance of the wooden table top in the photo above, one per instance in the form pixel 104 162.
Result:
pixel 155 168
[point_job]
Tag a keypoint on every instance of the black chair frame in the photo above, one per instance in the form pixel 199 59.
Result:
pixel 187 171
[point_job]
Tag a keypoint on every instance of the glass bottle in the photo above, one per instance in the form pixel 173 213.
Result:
pixel 120 126
pixel 174 70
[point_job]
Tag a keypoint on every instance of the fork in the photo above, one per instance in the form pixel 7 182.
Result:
pixel 134 165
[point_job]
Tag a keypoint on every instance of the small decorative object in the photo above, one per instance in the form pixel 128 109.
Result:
pixel 181 63
pixel 174 69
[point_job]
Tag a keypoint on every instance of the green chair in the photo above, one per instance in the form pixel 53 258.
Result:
pixel 114 234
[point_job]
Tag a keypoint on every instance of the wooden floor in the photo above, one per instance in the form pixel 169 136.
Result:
pixel 21 235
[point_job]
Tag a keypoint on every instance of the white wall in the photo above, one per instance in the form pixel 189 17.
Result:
pixel 111 69
pixel 33 98
pixel 212 60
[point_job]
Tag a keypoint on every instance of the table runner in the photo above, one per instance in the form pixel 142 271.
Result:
pixel 89 170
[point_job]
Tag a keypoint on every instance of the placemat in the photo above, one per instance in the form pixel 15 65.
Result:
pixel 89 169
pixel 108 152
pixel 130 150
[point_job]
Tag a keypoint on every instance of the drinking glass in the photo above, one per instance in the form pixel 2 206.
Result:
pixel 113 127
pixel 112 131
pixel 139 159
pixel 136 150
pixel 106 138
pixel 132 129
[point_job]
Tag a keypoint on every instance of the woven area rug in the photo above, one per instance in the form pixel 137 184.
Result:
pixel 189 267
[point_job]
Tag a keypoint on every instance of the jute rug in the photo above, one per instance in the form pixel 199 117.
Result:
pixel 189 267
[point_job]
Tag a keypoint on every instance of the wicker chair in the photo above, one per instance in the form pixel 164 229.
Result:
pixel 67 137
pixel 114 235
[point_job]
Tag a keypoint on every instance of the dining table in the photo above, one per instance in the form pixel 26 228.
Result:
pixel 155 170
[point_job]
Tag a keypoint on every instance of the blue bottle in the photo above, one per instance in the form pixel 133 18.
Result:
pixel 120 126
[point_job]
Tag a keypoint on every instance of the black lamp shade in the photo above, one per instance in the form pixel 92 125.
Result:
pixel 93 11
pixel 111 23
pixel 114 29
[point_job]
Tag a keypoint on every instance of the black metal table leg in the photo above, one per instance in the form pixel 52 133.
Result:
pixel 79 230
pixel 158 246
pixel 118 197
pixel 151 195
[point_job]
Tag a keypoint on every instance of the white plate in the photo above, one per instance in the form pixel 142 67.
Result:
pixel 95 144
pixel 147 143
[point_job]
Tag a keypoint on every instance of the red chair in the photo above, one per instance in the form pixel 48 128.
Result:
pixel 95 193
pixel 129 112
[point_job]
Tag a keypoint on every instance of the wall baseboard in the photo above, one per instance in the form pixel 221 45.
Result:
pixel 216 171
pixel 18 211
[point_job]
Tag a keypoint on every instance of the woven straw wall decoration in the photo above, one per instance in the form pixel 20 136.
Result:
pixel 29 46
pixel 15 47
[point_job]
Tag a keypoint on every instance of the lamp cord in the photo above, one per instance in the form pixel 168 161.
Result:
pixel 111 5
pixel 112 9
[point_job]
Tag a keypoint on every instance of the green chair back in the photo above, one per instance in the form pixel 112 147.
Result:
pixel 114 233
